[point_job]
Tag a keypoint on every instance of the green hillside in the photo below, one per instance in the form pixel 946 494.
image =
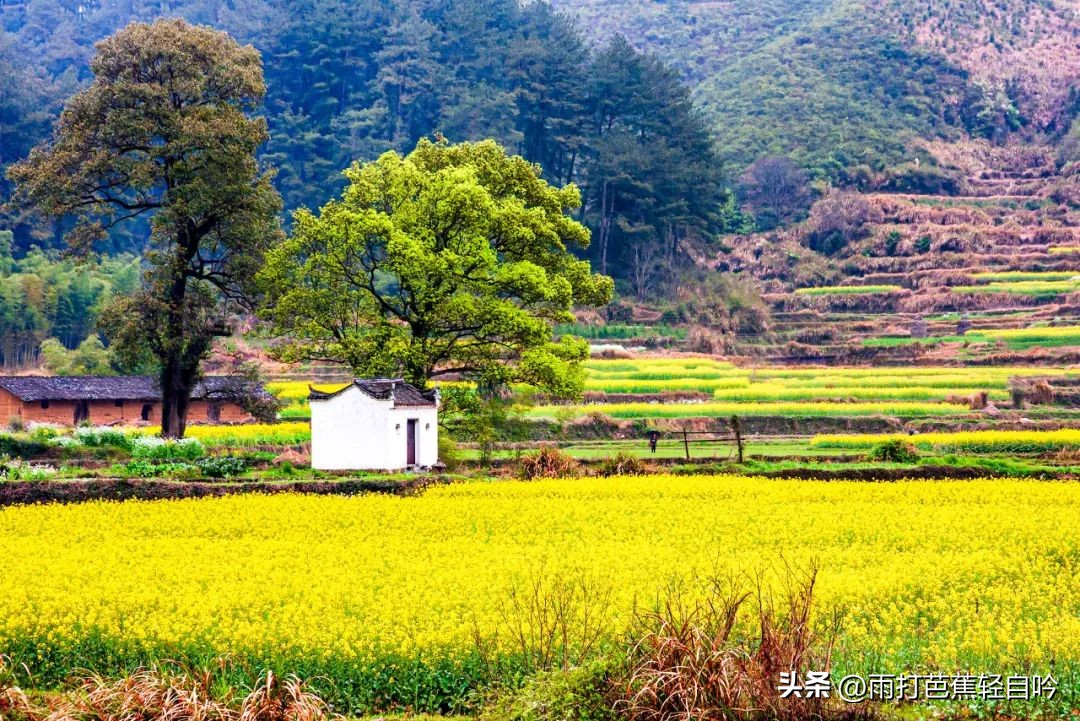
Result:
pixel 839 84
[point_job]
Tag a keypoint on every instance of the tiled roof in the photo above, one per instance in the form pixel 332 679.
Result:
pixel 128 388
pixel 402 393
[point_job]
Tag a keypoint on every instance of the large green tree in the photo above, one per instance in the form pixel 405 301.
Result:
pixel 650 172
pixel 164 131
pixel 454 259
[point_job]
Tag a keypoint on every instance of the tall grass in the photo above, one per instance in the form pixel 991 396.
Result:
pixel 964 441
pixel 620 332
pixel 1014 338
pixel 1024 287
pixel 1023 275
pixel 778 408
pixel 849 289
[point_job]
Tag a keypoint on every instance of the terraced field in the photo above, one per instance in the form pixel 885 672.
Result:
pixel 1000 254
pixel 990 274
pixel 714 388
pixel 693 387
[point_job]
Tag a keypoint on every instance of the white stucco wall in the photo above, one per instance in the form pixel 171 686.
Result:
pixel 353 431
pixel 427 436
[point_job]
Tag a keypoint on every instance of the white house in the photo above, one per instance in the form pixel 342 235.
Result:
pixel 379 424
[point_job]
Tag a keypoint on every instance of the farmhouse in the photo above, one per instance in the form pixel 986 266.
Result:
pixel 106 400
pixel 379 424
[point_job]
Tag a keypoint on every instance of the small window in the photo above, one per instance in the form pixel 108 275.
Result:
pixel 45 403
pixel 119 403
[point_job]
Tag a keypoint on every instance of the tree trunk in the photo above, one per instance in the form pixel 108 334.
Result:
pixel 176 380
pixel 176 384
pixel 605 227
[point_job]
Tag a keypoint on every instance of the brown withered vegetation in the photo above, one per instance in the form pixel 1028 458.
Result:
pixel 548 462
pixel 691 662
pixel 165 692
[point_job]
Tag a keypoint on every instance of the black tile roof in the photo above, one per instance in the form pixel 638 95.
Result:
pixel 396 389
pixel 128 388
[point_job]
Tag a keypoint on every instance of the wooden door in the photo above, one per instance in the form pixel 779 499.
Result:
pixel 82 411
pixel 410 440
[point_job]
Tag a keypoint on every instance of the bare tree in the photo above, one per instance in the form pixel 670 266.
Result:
pixel 776 190
pixel 839 219
pixel 643 262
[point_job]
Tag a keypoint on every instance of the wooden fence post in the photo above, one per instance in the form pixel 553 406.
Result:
pixel 738 436
pixel 686 442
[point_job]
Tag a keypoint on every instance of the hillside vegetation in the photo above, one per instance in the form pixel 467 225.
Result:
pixel 990 271
pixel 837 83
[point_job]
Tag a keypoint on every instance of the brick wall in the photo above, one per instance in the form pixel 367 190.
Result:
pixel 57 412
pixel 10 406
pixel 199 412
pixel 106 412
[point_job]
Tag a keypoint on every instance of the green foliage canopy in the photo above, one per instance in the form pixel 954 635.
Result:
pixel 453 259
pixel 43 295
pixel 91 358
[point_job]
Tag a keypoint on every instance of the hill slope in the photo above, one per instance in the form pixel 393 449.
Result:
pixel 985 274
pixel 837 83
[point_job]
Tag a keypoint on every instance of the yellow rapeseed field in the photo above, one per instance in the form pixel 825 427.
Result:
pixel 932 575
pixel 963 441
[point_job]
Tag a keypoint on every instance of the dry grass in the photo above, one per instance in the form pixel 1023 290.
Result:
pixel 548 462
pixel 624 464
pixel 165 692
pixel 691 663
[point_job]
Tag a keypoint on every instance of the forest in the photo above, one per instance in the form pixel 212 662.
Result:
pixel 44 296
pixel 845 86
pixel 350 80
pixel 680 122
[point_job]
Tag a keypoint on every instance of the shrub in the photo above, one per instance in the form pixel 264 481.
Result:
pixel 147 469
pixel 43 432
pixel 894 450
pixel 702 339
pixel 693 661
pixel 17 470
pixel 623 464
pixel 892 240
pixel 575 694
pixel 152 448
pixel 137 469
pixel 448 453
pixel 21 448
pixel 839 219
pixel 94 437
pixel 548 462
pixel 222 466
pixel 922 179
